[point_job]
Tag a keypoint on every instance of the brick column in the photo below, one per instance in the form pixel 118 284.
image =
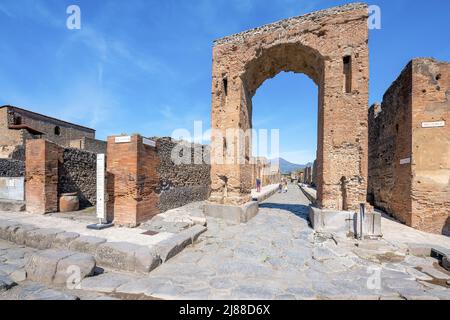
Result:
pixel 132 180
pixel 41 176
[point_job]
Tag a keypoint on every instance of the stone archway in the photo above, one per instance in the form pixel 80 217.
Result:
pixel 331 47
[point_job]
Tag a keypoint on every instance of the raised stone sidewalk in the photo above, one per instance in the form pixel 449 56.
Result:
pixel 115 248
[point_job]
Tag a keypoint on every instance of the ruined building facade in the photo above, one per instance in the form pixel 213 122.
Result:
pixel 18 125
pixel 409 147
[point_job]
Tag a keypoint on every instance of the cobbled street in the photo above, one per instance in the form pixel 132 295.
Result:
pixel 274 256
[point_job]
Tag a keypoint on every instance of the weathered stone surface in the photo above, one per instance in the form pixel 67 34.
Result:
pixel 435 273
pixel 5 228
pixel 81 264
pixel 41 238
pixel 6 283
pixel 118 255
pixel 18 275
pixel 40 292
pixel 86 244
pixel 42 265
pixel 19 234
pixel 146 259
pixel 419 250
pixel 446 262
pixel 63 240
pixel 105 282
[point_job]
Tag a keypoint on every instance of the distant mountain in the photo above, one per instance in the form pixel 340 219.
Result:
pixel 287 167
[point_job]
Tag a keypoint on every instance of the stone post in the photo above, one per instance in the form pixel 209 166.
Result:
pixel 132 180
pixel 41 176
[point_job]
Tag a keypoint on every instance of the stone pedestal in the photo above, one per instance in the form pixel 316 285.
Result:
pixel 232 213
pixel 345 222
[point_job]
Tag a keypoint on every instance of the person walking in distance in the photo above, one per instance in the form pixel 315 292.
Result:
pixel 258 185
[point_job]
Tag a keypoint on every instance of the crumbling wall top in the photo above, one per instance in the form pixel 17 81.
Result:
pixel 285 23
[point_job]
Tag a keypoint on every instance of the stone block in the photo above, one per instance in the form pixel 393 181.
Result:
pixel 39 292
pixel 446 263
pixel 5 229
pixel 19 234
pixel 332 221
pixel 6 283
pixel 41 238
pixel 106 283
pixel 42 265
pixel 232 213
pixel 117 255
pixel 81 264
pixel 146 259
pixel 419 250
pixel 86 244
pixel 64 239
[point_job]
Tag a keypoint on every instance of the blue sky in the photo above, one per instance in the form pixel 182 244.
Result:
pixel 144 66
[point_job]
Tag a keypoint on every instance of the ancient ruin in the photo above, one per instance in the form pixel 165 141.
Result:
pixel 330 47
pixel 409 147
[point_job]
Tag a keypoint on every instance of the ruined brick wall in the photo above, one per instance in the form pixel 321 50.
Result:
pixel 409 161
pixel 389 142
pixel 8 137
pixel 77 173
pixel 132 181
pixel 143 180
pixel 431 146
pixel 12 168
pixel 41 176
pixel 89 144
pixel 329 46
pixel 180 184
pixel 54 130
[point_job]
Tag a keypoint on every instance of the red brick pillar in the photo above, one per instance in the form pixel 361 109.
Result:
pixel 132 180
pixel 41 176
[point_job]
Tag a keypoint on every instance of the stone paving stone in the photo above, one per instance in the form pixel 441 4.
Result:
pixel 42 265
pixel 40 292
pixel 164 290
pixel 105 283
pixel 435 273
pixel 249 292
pixel 418 275
pixel 6 283
pixel 19 275
pixel 139 286
pixel 8 269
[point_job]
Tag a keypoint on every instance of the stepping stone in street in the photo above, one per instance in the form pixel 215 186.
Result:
pixel 435 273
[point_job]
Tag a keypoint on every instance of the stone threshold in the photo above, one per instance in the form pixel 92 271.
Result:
pixel 115 255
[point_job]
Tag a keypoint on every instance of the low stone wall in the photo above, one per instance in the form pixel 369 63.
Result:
pixel 180 184
pixel 77 173
pixel 12 168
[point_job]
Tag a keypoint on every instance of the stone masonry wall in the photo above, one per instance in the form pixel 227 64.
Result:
pixel 431 146
pixel 12 168
pixel 389 142
pixel 409 147
pixel 183 183
pixel 77 173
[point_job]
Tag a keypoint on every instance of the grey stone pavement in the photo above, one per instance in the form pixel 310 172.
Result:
pixel 276 255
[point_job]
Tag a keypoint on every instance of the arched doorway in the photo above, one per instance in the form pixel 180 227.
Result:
pixel 329 46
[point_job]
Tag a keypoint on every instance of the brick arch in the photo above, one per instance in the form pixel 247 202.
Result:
pixel 331 47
